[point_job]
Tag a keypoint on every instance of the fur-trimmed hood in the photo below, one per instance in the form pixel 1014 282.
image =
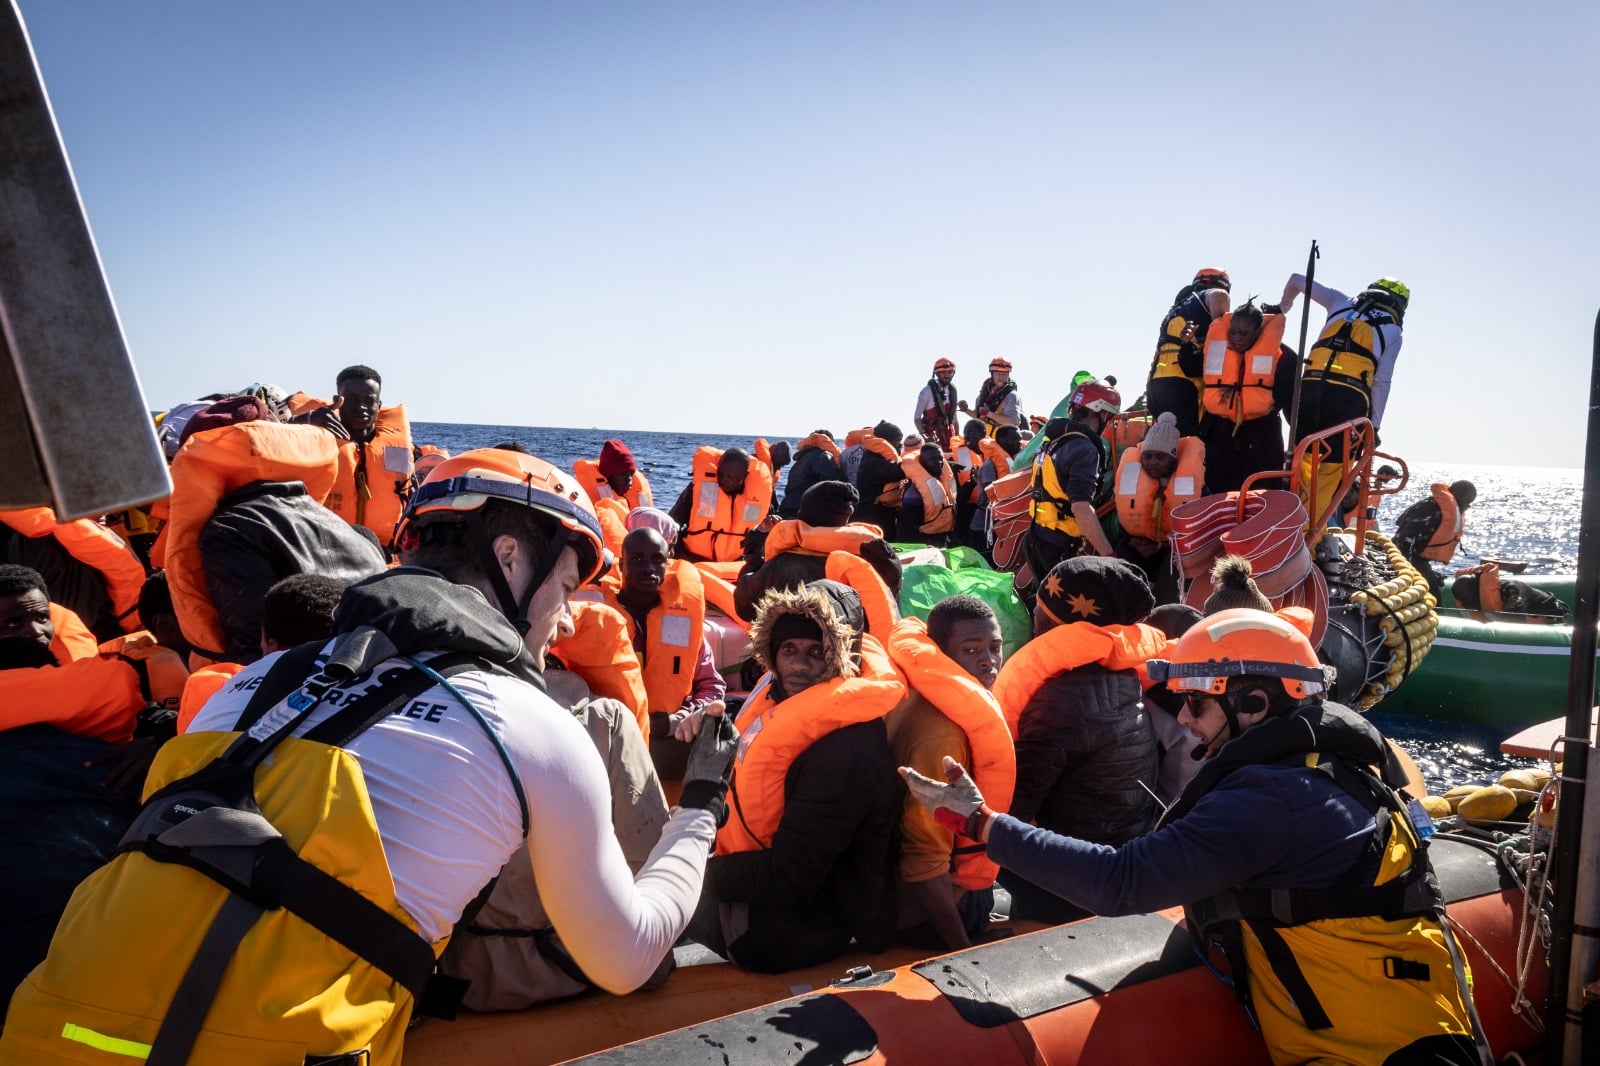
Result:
pixel 824 603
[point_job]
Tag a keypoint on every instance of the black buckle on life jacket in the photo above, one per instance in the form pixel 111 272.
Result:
pixel 1398 969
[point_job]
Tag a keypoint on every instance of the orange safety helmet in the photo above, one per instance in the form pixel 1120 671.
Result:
pixel 466 482
pixel 998 363
pixel 1212 278
pixel 1242 642
pixel 943 364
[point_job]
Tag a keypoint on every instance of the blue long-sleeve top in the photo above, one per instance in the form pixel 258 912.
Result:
pixel 1262 826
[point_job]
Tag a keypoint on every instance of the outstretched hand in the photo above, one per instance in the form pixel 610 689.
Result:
pixel 705 774
pixel 957 805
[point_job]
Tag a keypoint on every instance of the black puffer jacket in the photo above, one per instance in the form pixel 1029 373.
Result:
pixel 263 533
pixel 1085 752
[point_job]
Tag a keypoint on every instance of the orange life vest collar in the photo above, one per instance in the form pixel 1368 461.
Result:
pixel 938 495
pixel 775 734
pixel 958 696
pixel 1238 385
pixel 1067 647
pixel 997 455
pixel 96 547
pixel 876 600
pixel 792 535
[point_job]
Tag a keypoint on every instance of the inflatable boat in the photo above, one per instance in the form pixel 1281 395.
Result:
pixel 1499 670
pixel 1101 990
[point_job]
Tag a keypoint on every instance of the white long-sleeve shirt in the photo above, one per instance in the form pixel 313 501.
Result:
pixel 448 818
pixel 1339 306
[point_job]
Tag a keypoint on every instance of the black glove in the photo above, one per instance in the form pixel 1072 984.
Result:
pixel 705 774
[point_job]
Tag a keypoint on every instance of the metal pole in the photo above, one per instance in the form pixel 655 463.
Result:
pixel 1564 1042
pixel 1299 365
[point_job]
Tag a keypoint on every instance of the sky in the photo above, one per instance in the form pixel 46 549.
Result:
pixel 743 217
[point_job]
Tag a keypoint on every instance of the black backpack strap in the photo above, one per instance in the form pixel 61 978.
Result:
pixel 282 678
pixel 358 716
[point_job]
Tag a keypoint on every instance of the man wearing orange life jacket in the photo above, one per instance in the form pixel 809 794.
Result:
pixel 803 863
pixel 1249 380
pixel 796 551
pixel 815 460
pixel 615 476
pixel 728 495
pixel 1159 473
pixel 1429 530
pixel 928 501
pixel 950 666
pixel 935 416
pixel 879 475
pixel 665 607
pixel 997 454
pixel 374 452
pixel 1087 755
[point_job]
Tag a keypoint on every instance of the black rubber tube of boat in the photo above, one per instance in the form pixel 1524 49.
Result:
pixel 1300 364
pixel 1563 1026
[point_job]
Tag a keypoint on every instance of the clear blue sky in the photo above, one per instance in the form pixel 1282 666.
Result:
pixel 740 216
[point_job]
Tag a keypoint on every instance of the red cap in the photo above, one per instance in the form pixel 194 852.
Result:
pixel 615 458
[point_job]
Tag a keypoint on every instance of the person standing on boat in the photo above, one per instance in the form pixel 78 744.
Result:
pixel 1163 471
pixel 1066 478
pixel 1349 368
pixel 1429 530
pixel 804 864
pixel 1287 849
pixel 1249 380
pixel 1176 375
pixel 425 752
pixel 998 404
pixel 935 416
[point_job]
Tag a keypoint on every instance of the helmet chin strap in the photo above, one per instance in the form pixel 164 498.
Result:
pixel 1231 713
pixel 514 608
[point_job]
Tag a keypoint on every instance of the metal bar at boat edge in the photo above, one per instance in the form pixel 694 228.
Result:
pixel 1575 939
pixel 73 422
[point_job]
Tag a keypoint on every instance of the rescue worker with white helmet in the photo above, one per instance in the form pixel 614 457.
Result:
pixel 1287 849
pixel 411 756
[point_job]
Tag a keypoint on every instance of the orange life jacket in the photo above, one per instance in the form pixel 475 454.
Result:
pixel 961 455
pixel 772 736
pixel 994 453
pixel 938 495
pixel 718 522
pixel 370 489
pixel 674 633
pixel 1067 647
pixel 302 402
pixel 936 678
pixel 717 584
pixel 1239 384
pixel 587 471
pixel 793 535
pixel 92 697
pixel 876 600
pixel 823 442
pixel 96 547
pixel 1442 546
pixel 72 641
pixel 601 652
pixel 1143 503
pixel 201 686
pixel 212 464
pixel 612 515
pixel 871 442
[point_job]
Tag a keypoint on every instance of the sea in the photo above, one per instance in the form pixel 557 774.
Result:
pixel 1528 513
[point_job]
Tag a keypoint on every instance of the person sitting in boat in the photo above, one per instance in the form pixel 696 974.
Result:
pixel 665 607
pixel 1163 471
pixel 935 416
pixel 946 887
pixel 1351 364
pixel 1087 758
pixel 374 451
pixel 510 951
pixel 1249 378
pixel 90 570
pixel 411 788
pixel 997 453
pixel 1287 847
pixel 1429 530
pixel 805 862
pixel 997 404
pixel 816 460
pixel 1482 590
pixel 1164 706
pixel 798 551
pixel 245 516
pixel 1176 372
pixel 1066 479
pixel 728 495
pixel 879 477
pixel 614 476
pixel 928 500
